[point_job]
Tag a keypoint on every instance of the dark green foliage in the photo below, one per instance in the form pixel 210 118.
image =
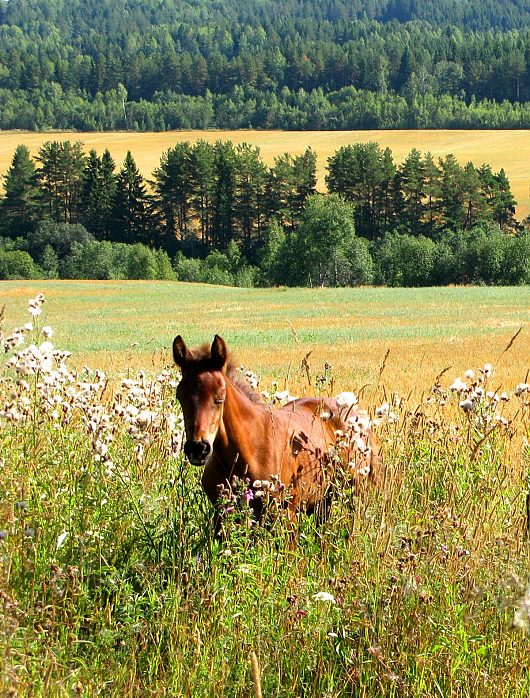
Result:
pixel 286 64
pixel 132 218
pixel 325 248
pixel 363 174
pixel 418 224
pixel 60 178
pixel 19 207
pixel 406 260
pixel 58 236
pixel 419 197
pixel 107 260
pixel 98 193
pixel 17 264
pixel 174 185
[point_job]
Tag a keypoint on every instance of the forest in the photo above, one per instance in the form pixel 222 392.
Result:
pixel 214 212
pixel 288 64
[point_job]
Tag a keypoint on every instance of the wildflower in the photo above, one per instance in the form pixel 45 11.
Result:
pixel 324 596
pixel 281 395
pixel 3 534
pixel 346 400
pixel 458 385
pixel 145 418
pixel 47 331
pixel 469 374
pixel 522 388
pixel 487 370
pixel 382 410
pixel 467 405
pixel 361 445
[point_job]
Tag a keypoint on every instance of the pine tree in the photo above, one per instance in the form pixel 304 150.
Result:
pixel 224 194
pixel 412 190
pixel 204 188
pixel 249 202
pixel 173 185
pixel 503 202
pixel 474 199
pixel 61 179
pixel 432 194
pixel 452 193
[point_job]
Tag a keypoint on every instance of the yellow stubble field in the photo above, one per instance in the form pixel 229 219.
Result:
pixel 500 149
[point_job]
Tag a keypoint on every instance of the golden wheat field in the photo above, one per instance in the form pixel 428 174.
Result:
pixel 500 149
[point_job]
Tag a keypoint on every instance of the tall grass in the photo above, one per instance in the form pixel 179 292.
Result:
pixel 113 584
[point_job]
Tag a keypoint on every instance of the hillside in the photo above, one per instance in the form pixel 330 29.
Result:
pixel 286 64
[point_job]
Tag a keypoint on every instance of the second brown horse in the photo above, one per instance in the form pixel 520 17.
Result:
pixel 230 431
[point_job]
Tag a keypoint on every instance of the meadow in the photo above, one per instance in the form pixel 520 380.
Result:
pixel 500 149
pixel 111 582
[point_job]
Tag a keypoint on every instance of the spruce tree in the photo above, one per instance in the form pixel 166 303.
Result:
pixel 19 208
pixel 131 210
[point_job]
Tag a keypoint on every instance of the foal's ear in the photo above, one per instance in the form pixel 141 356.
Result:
pixel 218 353
pixel 181 353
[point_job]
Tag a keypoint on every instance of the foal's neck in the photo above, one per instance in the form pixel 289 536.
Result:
pixel 243 420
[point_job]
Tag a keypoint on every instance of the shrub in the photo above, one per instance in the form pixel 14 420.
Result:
pixel 406 260
pixel 17 264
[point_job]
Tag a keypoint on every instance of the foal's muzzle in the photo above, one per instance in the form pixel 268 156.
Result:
pixel 197 452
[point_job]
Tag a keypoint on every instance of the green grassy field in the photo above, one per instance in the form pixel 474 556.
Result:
pixel 119 325
pixel 111 582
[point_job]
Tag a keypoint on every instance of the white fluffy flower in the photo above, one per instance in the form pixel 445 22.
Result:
pixel 458 385
pixel 324 596
pixel 346 400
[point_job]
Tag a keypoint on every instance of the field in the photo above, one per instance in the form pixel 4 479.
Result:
pixel 111 581
pixel 122 325
pixel 500 149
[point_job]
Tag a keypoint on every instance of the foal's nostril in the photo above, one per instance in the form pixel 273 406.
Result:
pixel 197 451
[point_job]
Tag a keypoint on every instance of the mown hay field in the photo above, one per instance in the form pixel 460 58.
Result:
pixel 500 149
pixel 111 581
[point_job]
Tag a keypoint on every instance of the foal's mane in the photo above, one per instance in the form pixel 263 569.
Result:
pixel 202 361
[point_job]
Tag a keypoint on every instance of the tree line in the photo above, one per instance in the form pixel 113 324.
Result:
pixel 287 64
pixel 217 213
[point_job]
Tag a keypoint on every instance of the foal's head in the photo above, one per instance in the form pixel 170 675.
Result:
pixel 201 393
